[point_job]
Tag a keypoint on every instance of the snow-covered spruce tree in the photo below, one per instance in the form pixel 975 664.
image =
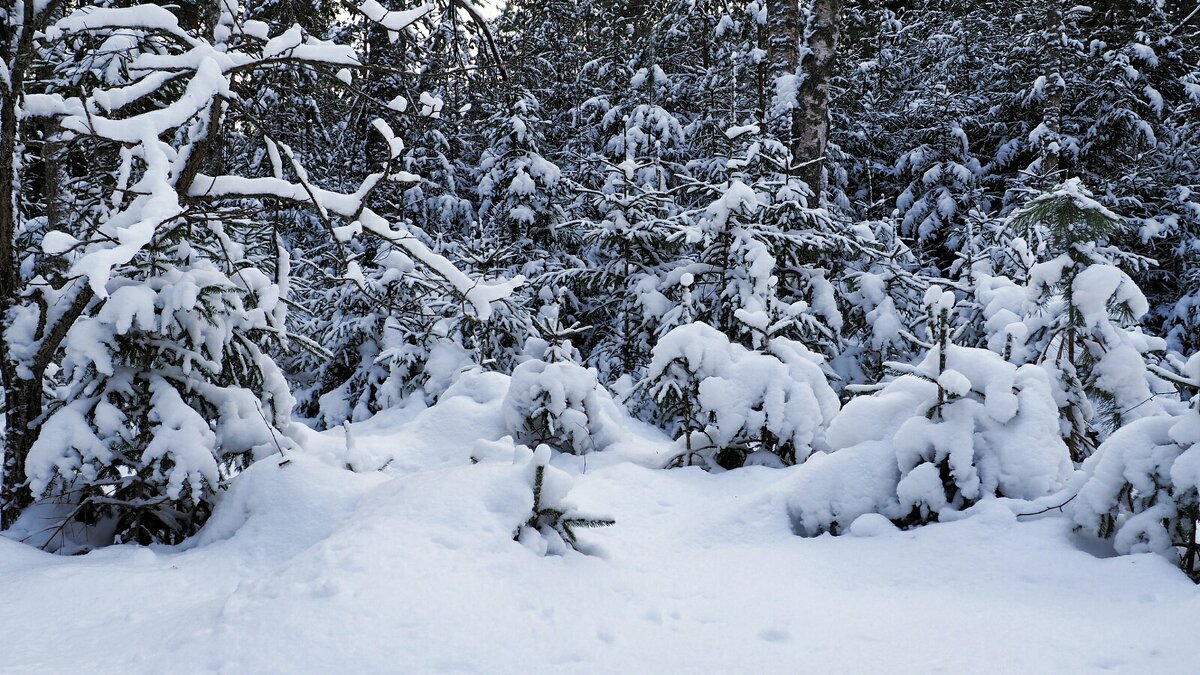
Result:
pixel 309 112
pixel 960 426
pixel 165 316
pixel 934 172
pixel 628 231
pixel 157 382
pixel 517 232
pixel 371 334
pixel 1032 92
pixel 367 350
pixel 1128 117
pixel 741 269
pixel 556 401
pixel 518 186
pixel 883 296
pixel 551 40
pixel 764 257
pixel 1083 320
pixel 705 51
pixel 1143 483
pixel 729 406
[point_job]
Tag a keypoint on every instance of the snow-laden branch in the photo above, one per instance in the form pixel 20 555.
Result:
pixel 478 294
pixel 171 170
pixel 393 21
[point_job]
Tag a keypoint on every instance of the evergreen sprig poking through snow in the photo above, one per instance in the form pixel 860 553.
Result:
pixel 550 529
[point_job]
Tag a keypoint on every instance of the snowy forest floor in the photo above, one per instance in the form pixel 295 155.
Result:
pixel 307 567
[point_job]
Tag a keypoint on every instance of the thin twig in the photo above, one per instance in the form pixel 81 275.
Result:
pixel 1049 508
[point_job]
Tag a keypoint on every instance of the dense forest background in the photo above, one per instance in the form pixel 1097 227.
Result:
pixel 222 217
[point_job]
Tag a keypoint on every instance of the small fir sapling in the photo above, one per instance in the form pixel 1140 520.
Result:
pixel 1083 316
pixel 730 406
pixel 555 400
pixel 551 527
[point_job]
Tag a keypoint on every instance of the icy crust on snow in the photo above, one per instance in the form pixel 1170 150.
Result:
pixel 743 393
pixel 997 436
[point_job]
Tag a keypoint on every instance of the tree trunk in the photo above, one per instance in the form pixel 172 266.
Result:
pixel 812 118
pixel 783 42
pixel 22 400
pixel 1053 92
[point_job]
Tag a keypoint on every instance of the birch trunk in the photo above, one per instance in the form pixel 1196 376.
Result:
pixel 19 396
pixel 784 30
pixel 812 115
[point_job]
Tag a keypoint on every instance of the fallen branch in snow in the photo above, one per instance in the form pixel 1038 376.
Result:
pixel 1049 508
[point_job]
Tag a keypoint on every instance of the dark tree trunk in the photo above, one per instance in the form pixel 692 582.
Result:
pixel 22 398
pixel 1053 92
pixel 17 53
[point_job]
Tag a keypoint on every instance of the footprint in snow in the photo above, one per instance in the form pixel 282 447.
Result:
pixel 773 635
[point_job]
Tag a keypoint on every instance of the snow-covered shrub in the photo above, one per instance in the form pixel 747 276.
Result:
pixel 960 426
pixel 1001 319
pixel 559 402
pixel 1081 313
pixel 550 529
pixel 517 186
pixel 139 332
pixel 882 295
pixel 163 394
pixel 764 260
pixel 731 405
pixel 1143 485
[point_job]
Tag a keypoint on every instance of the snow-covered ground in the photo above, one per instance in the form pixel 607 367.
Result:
pixel 308 567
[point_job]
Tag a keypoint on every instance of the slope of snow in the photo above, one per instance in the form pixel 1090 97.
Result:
pixel 308 567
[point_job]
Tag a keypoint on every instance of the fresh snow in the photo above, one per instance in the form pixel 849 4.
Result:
pixel 440 403
pixel 408 565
